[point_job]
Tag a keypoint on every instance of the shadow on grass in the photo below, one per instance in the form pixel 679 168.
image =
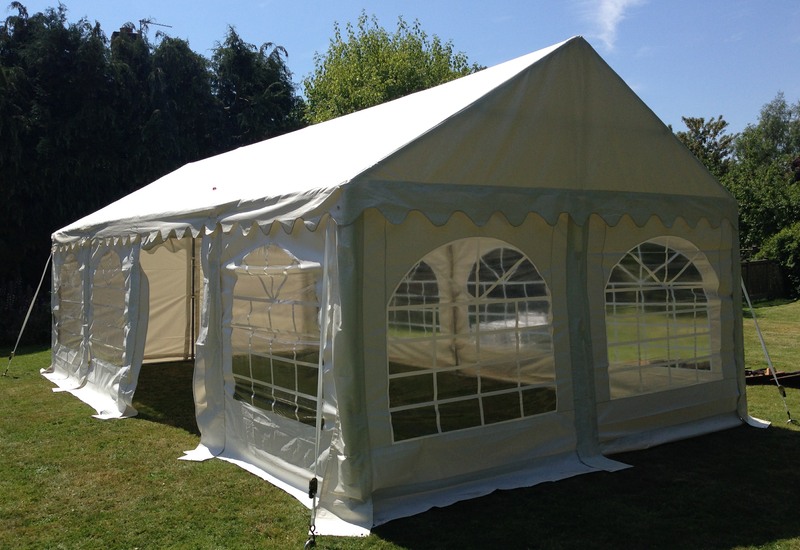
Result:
pixel 164 395
pixel 723 490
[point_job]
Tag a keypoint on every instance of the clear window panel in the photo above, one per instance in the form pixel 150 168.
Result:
pixel 275 333
pixel 408 390
pixel 457 383
pixel 416 422
pixel 469 334
pixel 538 400
pixel 502 407
pixel 69 318
pixel 459 415
pixel 657 320
pixel 500 376
pixel 108 294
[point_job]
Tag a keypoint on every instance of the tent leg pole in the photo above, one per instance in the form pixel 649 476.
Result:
pixel 781 390
pixel 28 315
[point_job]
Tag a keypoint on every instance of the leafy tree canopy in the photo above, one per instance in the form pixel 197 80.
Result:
pixel 366 65
pixel 255 89
pixel 708 141
pixel 762 176
pixel 85 119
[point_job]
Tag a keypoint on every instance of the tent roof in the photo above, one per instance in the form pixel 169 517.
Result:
pixel 557 125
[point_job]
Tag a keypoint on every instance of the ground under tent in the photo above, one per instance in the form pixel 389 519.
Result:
pixel 489 284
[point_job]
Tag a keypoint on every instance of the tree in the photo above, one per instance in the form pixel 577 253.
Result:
pixel 367 66
pixel 784 247
pixel 130 65
pixel 184 117
pixel 762 177
pixel 255 90
pixel 56 80
pixel 776 136
pixel 708 141
pixel 85 120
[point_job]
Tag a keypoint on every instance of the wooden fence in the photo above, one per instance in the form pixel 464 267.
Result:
pixel 763 279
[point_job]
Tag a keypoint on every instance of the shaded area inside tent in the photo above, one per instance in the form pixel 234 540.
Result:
pixel 164 395
pixel 172 278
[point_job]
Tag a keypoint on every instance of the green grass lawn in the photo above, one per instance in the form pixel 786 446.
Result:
pixel 780 323
pixel 70 481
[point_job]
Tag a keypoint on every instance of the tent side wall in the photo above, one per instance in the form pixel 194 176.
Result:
pixel 701 382
pixel 596 410
pixel 270 314
pixel 99 326
pixel 441 464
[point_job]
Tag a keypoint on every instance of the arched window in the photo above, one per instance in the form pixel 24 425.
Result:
pixel 411 309
pixel 658 325
pixel 469 340
pixel 275 337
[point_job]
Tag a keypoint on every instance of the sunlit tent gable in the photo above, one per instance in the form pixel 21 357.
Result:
pixel 565 122
pixel 488 284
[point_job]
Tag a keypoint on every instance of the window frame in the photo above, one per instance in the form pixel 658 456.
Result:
pixel 272 376
pixel 437 411
pixel 683 328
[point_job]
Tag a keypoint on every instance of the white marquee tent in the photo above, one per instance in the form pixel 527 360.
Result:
pixel 488 284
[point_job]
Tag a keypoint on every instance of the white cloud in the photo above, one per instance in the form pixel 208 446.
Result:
pixel 606 15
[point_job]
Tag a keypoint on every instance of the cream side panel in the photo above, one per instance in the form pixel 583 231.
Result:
pixel 390 251
pixel 627 417
pixel 167 267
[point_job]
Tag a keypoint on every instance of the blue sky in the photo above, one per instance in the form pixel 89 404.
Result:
pixel 683 57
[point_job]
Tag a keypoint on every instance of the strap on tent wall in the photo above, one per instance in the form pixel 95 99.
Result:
pixel 580 343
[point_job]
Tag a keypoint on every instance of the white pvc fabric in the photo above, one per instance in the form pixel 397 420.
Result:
pixel 486 285
pixel 97 331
